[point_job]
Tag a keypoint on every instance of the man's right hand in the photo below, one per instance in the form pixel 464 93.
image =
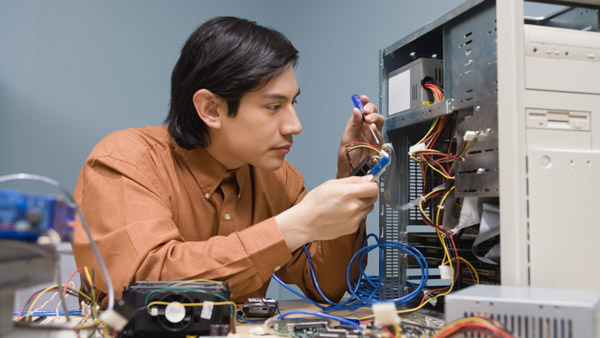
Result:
pixel 333 209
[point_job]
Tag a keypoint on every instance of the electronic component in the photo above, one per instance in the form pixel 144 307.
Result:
pixel 322 328
pixel 292 327
pixel 26 217
pixel 405 84
pixel 374 165
pixel 530 312
pixel 260 307
pixel 179 309
pixel 385 313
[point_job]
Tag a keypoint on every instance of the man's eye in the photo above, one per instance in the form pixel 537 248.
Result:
pixel 295 101
pixel 273 107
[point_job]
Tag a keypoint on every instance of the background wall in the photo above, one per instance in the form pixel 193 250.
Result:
pixel 72 71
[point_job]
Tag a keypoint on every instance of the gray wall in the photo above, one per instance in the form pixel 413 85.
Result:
pixel 72 71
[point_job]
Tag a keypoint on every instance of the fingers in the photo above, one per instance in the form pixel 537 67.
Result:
pixel 357 179
pixel 359 187
pixel 371 113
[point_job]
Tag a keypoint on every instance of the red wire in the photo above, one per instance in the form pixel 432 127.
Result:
pixel 470 273
pixel 438 165
pixel 442 155
pixel 69 280
pixel 388 331
pixel 475 326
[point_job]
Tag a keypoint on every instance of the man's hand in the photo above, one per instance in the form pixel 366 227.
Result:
pixel 357 130
pixel 331 210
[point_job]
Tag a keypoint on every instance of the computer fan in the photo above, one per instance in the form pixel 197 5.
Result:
pixel 179 309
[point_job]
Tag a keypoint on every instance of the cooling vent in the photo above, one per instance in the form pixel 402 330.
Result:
pixel 529 312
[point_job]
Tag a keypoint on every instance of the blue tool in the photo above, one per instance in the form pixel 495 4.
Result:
pixel 359 105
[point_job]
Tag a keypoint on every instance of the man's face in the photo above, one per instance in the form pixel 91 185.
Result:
pixel 261 132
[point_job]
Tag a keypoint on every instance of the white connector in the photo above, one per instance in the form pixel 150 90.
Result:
pixel 418 146
pixel 113 319
pixel 445 272
pixel 385 314
pixel 470 135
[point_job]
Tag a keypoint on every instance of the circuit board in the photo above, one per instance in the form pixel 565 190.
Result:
pixel 323 328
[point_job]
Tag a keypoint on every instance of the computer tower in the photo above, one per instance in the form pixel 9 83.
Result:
pixel 521 115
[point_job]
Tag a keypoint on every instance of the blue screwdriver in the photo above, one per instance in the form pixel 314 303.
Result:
pixel 358 104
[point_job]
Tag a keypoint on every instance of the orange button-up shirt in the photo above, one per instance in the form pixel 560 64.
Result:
pixel 161 212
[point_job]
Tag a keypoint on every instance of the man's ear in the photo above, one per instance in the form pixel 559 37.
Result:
pixel 210 107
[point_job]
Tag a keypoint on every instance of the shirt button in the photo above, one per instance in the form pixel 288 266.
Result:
pixel 276 268
pixel 207 195
pixel 227 217
pixel 227 175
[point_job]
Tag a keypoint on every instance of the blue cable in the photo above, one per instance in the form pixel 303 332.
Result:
pixel 312 272
pixel 47 313
pixel 403 247
pixel 324 315
pixel 365 291
pixel 247 320
pixel 297 293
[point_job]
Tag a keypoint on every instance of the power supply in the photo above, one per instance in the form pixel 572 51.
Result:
pixel 406 89
pixel 530 312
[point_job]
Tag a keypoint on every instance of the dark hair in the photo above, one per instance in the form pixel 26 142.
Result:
pixel 228 56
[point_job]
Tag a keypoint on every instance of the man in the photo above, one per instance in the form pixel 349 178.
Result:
pixel 211 196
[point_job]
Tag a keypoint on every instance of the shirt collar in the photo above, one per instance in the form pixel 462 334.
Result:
pixel 210 173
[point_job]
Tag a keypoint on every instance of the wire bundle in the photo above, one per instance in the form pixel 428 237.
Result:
pixel 481 325
pixel 109 286
pixel 364 292
pixel 89 302
pixel 428 155
pixel 359 145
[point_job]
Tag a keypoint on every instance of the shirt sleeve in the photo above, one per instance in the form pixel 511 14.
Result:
pixel 130 218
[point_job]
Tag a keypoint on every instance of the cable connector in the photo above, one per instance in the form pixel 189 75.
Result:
pixel 385 314
pixel 445 272
pixel 118 317
pixel 381 165
pixel 113 319
pixel 418 146
pixel 470 135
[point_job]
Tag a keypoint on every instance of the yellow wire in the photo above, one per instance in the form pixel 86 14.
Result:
pixel 50 288
pixel 437 216
pixel 429 131
pixel 439 172
pixel 187 304
pixel 472 268
pixel 361 146
pixel 418 151
pixel 467 146
pixel 198 280
pixel 90 281
pixel 446 259
pixel 87 325
pixel 461 321
pixel 37 298
pixel 423 199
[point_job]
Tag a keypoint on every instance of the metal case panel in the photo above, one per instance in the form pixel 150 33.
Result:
pixel 530 312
